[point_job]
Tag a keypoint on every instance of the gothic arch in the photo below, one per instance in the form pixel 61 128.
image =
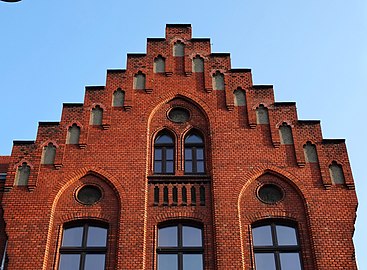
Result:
pixel 64 184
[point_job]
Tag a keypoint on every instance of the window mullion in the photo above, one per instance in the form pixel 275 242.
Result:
pixel 164 159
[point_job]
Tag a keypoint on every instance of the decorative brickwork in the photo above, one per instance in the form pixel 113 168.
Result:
pixel 244 140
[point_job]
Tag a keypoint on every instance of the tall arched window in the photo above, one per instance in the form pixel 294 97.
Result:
pixel 180 247
pixel 310 153
pixel 336 173
pixel 239 97
pixel 118 98
pixel 194 154
pixel 83 247
pixel 276 246
pixel 285 132
pixel 178 49
pixel 96 116
pixel 218 81
pixel 197 64
pixel 164 145
pixel 159 65
pixel 48 154
pixel 22 176
pixel 262 116
pixel 139 81
pixel 73 134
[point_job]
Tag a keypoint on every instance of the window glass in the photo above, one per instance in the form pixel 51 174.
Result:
pixel 188 166
pixel 194 139
pixel 157 166
pixel 191 237
pixel 169 154
pixel 167 262
pixel 164 139
pixel 72 237
pixel 286 235
pixel 262 236
pixel 169 167
pixel 192 262
pixel 199 153
pixel 97 237
pixel 167 237
pixel 265 261
pixel 158 154
pixel 69 262
pixel 290 261
pixel 94 261
pixel 188 154
pixel 200 166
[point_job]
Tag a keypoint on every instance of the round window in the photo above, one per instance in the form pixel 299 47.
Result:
pixel 270 193
pixel 89 194
pixel 178 115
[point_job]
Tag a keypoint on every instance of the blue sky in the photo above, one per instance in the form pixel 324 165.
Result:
pixel 313 52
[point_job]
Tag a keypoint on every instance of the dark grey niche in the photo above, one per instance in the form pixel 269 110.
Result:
pixel 89 195
pixel 179 115
pixel 270 193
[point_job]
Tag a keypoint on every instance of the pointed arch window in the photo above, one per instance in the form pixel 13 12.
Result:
pixel 197 64
pixel 22 176
pixel 194 154
pixel 179 49
pixel 48 154
pixel 73 134
pixel 239 97
pixel 262 116
pixel 218 81
pixel 139 81
pixel 118 98
pixel 164 146
pixel 276 246
pixel 96 116
pixel 159 65
pixel 285 132
pixel 336 173
pixel 310 153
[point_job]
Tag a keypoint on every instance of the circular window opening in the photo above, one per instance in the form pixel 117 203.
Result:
pixel 89 194
pixel 179 115
pixel 270 193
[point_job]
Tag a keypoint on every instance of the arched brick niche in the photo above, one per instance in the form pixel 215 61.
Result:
pixel 269 198
pixel 72 208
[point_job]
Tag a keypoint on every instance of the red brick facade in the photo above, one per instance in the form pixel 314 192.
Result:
pixel 242 153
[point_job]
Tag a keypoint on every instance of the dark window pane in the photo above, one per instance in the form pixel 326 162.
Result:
pixel 192 262
pixel 167 262
pixel 265 261
pixel 200 153
pixel 169 166
pixel 72 237
pixel 167 237
pixel 286 235
pixel 262 236
pixel 200 166
pixel 158 154
pixel 194 139
pixel 188 154
pixel 169 154
pixel 69 262
pixel 188 166
pixel 164 139
pixel 97 237
pixel 158 166
pixel 94 262
pixel 191 237
pixel 290 261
